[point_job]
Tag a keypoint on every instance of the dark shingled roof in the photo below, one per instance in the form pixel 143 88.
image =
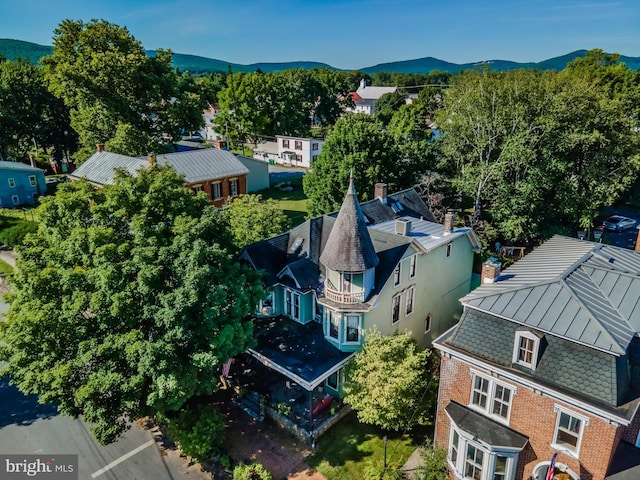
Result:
pixel 405 203
pixel 625 464
pixel 486 430
pixel 580 371
pixel 349 247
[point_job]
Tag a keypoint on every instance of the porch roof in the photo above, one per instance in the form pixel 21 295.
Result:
pixel 299 352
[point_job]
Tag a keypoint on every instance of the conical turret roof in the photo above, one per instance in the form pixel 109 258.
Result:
pixel 349 247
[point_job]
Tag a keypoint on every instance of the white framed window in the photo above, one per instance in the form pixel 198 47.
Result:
pixel 352 329
pixel 333 380
pixel 216 190
pixel 15 199
pixel 297 145
pixel 292 304
pixel 569 430
pixel 233 187
pixel 32 180
pixel 395 310
pixel 12 182
pixel 449 249
pixel 314 146
pixel 314 158
pixel 413 261
pixel 491 397
pixel 408 310
pixel 334 325
pixel 396 276
pixel 525 349
pixel 196 188
pixel 472 460
pixel 427 323
pixel 285 143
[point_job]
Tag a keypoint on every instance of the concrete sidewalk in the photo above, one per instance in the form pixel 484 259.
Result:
pixel 8 256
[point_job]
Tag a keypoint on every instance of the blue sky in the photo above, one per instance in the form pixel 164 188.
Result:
pixel 347 34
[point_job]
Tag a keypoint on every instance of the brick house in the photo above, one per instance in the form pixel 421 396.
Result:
pixel 545 360
pixel 218 173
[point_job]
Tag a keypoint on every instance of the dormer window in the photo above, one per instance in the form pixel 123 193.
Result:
pixel 526 348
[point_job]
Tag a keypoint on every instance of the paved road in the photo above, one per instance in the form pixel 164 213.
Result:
pixel 27 427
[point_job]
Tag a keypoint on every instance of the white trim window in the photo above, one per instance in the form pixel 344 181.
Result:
pixel 396 276
pixel 233 187
pixel 292 304
pixel 490 397
pixel 427 323
pixel 217 191
pixel 408 302
pixel 352 328
pixel 12 182
pixel 395 310
pixel 15 199
pixel 525 349
pixel 474 461
pixel 32 180
pixel 448 248
pixel 413 261
pixel 333 380
pixel 569 431
pixel 196 188
pixel 334 324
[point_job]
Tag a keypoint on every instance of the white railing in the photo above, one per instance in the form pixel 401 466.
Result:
pixel 343 297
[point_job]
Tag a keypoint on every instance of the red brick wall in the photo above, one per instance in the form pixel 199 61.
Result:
pixel 225 188
pixel 533 415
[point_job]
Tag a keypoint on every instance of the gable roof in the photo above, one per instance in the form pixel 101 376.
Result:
pixel 19 166
pixel 195 166
pixel 405 202
pixel 373 93
pixel 580 291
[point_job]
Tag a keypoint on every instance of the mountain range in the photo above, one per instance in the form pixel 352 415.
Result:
pixel 12 49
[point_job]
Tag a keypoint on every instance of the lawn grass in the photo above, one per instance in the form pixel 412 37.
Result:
pixel 293 203
pixel 349 447
pixel 5 268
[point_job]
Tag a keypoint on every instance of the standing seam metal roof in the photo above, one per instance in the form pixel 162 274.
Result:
pixel 581 291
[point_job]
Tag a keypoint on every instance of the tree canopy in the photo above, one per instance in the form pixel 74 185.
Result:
pixel 126 301
pixel 252 219
pixel 99 68
pixel 360 144
pixel 393 401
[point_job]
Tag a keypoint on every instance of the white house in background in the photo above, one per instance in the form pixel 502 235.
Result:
pixel 298 151
pixel 365 97
pixel 207 132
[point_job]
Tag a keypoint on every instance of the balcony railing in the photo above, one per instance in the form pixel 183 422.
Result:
pixel 343 297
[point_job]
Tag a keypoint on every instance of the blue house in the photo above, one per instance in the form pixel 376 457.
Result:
pixel 20 184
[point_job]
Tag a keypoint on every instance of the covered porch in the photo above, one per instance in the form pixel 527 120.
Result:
pixel 292 376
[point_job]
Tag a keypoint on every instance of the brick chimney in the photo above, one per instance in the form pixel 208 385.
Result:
pixel 490 270
pixel 638 242
pixel 100 147
pixel 151 158
pixel 449 220
pixel 380 192
pixel 32 161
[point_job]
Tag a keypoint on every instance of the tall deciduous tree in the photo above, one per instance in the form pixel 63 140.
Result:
pixel 101 66
pixel 252 219
pixel 126 302
pixel 360 144
pixel 393 402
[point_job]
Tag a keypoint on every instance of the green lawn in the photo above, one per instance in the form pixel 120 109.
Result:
pixel 349 448
pixel 5 268
pixel 293 203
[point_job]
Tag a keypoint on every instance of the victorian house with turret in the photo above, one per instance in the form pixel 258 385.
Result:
pixel 383 264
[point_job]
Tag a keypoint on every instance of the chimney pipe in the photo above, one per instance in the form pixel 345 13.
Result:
pixel 490 270
pixel 100 147
pixel 151 158
pixel 380 192
pixel 32 161
pixel 449 220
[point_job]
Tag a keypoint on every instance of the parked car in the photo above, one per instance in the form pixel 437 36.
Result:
pixel 618 223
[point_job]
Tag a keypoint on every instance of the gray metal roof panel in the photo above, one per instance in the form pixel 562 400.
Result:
pixel 7 165
pixel 585 292
pixel 203 164
pixel 101 167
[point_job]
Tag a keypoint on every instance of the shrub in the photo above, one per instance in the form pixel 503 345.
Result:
pixel 199 432
pixel 434 463
pixel 15 234
pixel 251 472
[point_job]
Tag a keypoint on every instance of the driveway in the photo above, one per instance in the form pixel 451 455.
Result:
pixel 626 239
